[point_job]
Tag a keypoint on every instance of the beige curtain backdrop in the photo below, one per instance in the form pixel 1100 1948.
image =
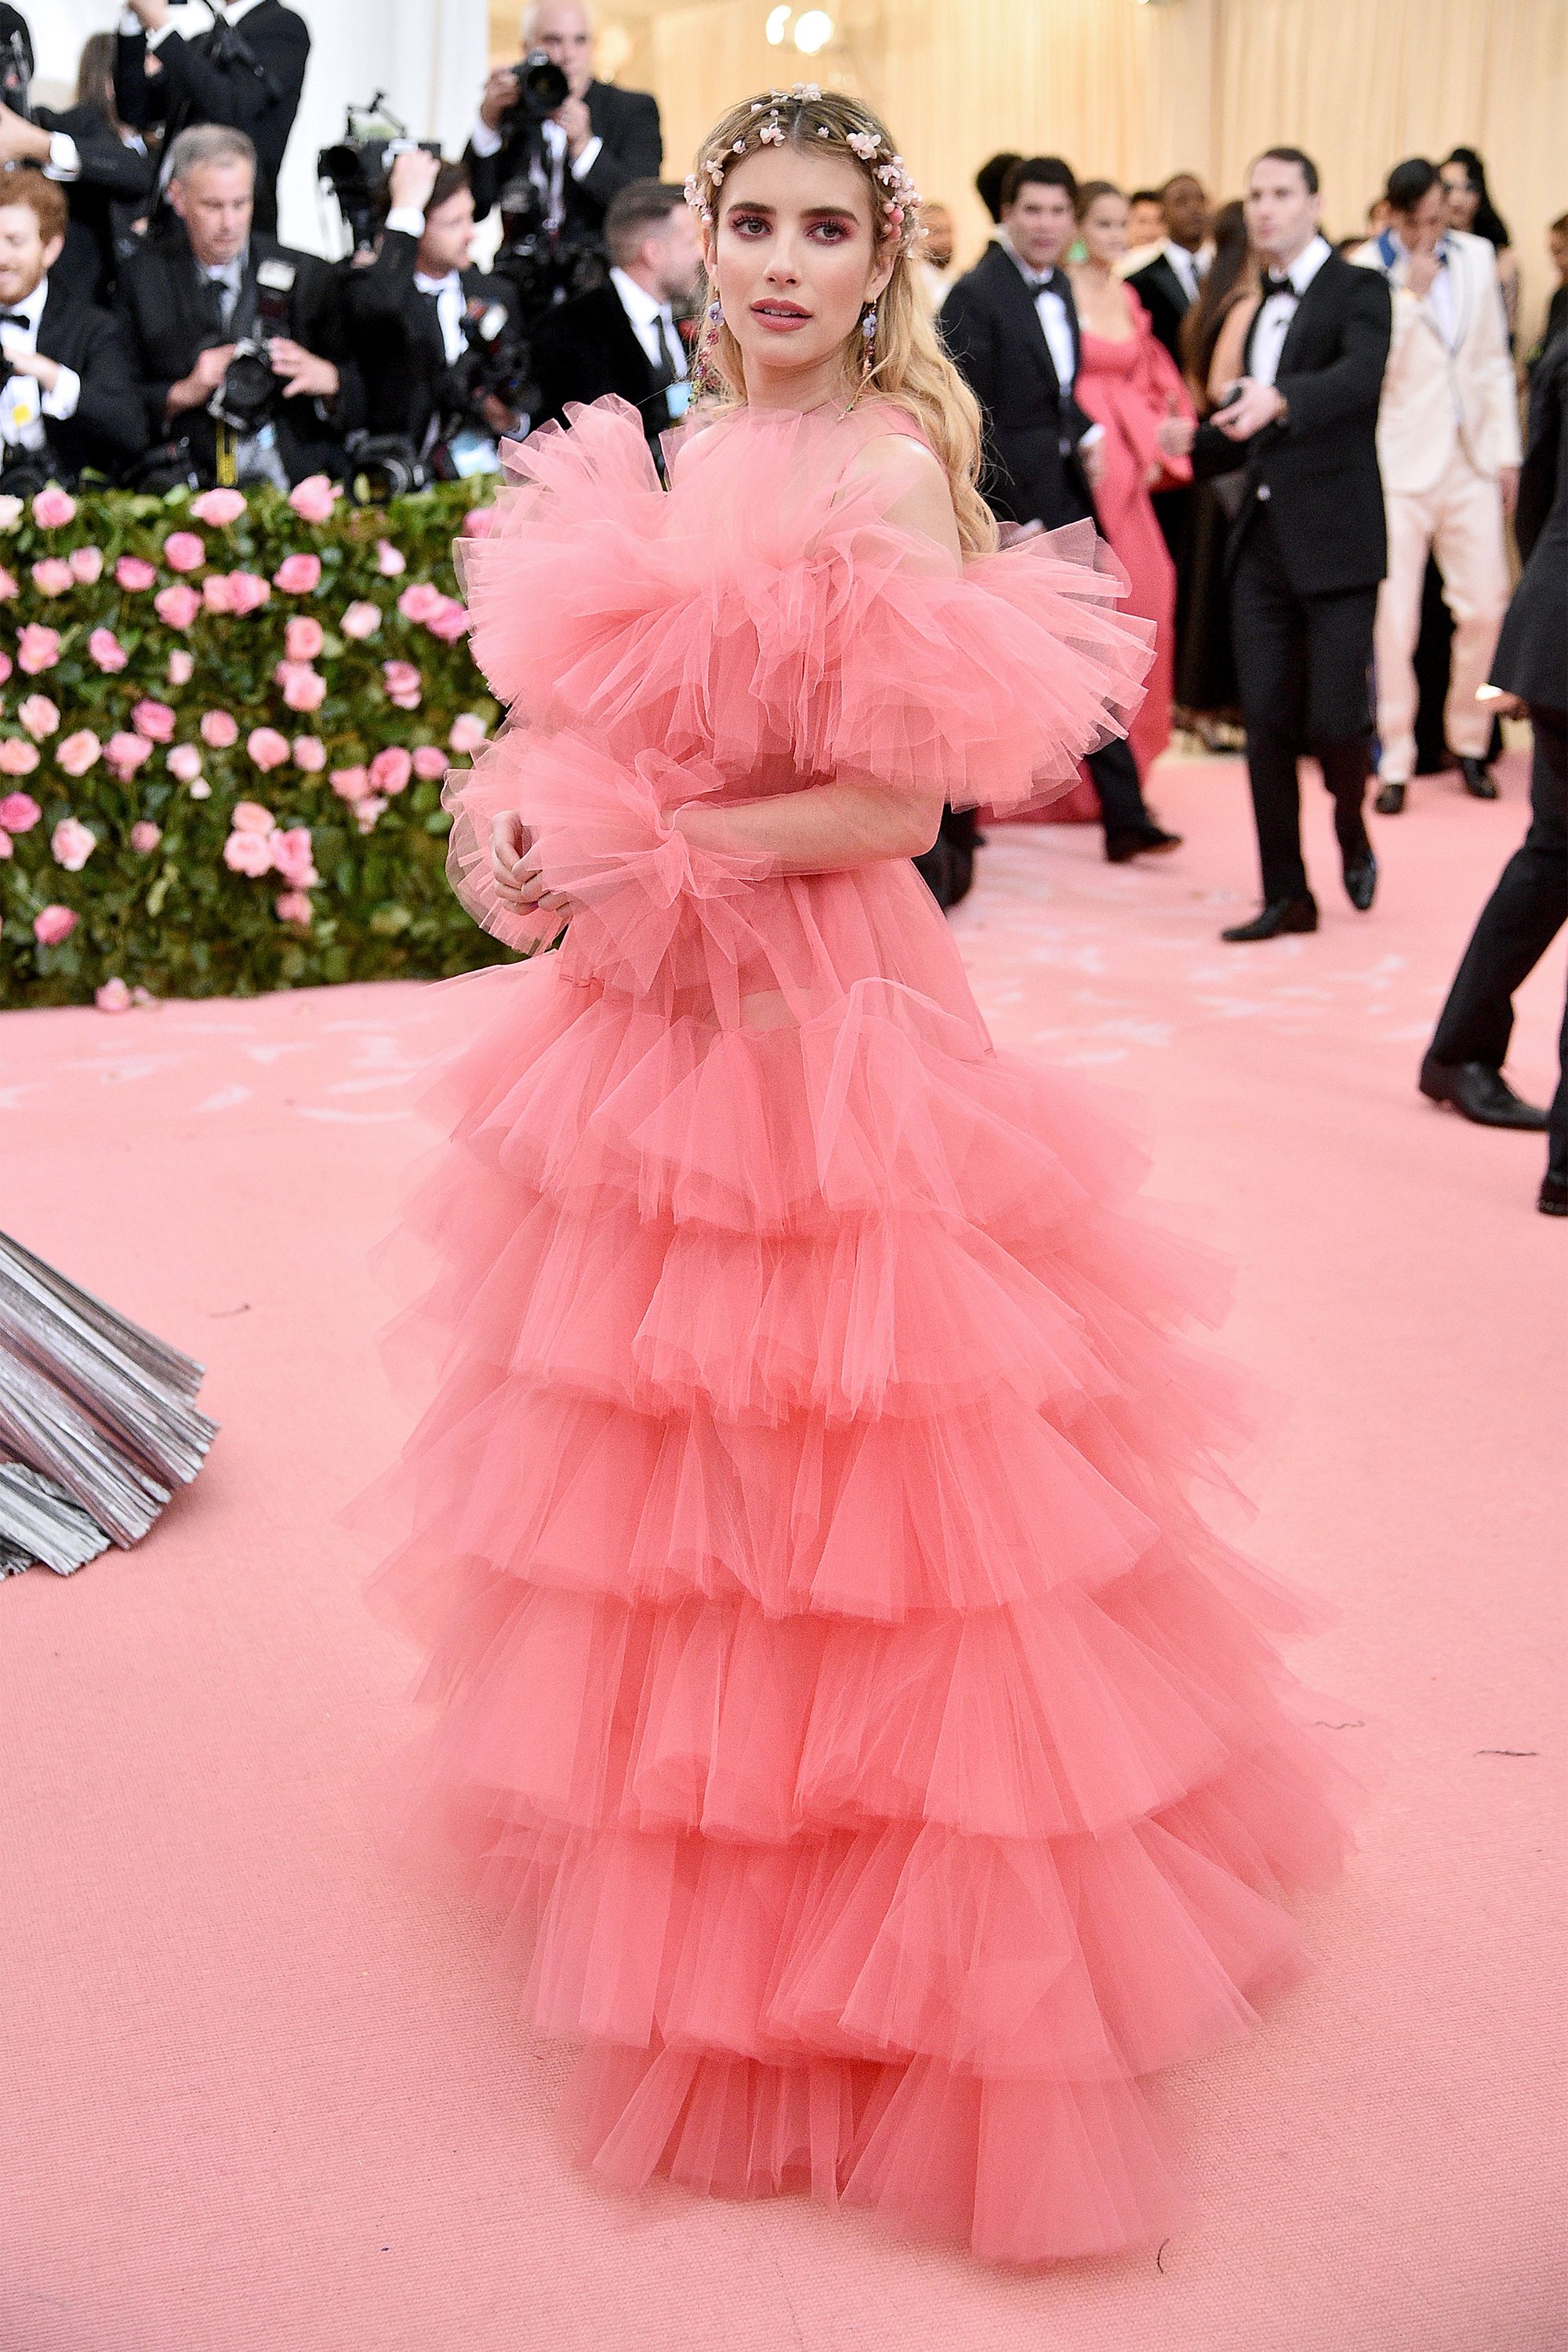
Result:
pixel 1133 92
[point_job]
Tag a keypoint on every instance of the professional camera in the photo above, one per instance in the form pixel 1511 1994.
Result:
pixel 496 366
pixel 27 475
pixel 384 465
pixel 250 393
pixel 357 166
pixel 542 86
pixel 16 62
pixel 546 267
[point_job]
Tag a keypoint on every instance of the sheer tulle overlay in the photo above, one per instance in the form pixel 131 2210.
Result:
pixel 873 1759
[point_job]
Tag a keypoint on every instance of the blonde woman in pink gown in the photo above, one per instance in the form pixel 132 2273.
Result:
pixel 1128 383
pixel 873 1760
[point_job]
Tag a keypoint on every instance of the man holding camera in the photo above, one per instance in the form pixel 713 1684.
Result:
pixel 621 337
pixel 552 146
pixel 246 71
pixel 66 399
pixel 437 341
pixel 78 151
pixel 237 341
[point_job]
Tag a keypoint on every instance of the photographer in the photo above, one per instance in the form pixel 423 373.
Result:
pixel 67 398
pixel 438 344
pixel 554 169
pixel 215 307
pixel 247 71
pixel 621 337
pixel 81 150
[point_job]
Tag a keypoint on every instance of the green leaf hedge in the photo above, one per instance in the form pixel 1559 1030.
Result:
pixel 260 782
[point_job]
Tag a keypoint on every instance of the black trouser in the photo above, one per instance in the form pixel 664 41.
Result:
pixel 1517 924
pixel 1301 662
pixel 1113 773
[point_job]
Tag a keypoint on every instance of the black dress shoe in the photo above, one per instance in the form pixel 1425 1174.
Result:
pixel 1139 841
pixel 1278 914
pixel 1480 1092
pixel 1553 1201
pixel 1361 879
pixel 1390 801
pixel 1477 780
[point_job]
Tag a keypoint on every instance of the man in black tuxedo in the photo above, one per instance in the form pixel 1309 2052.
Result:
pixel 213 279
pixel 1168 285
pixel 621 337
pixel 247 71
pixel 1012 329
pixel 77 148
pixel 419 311
pixel 561 173
pixel 1307 548
pixel 68 401
pixel 1529 905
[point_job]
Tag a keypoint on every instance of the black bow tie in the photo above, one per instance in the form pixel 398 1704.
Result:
pixel 1051 283
pixel 13 319
pixel 1279 285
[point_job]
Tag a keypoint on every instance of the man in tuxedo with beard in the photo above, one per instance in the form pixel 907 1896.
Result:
pixel 621 337
pixel 68 401
pixel 1012 329
pixel 78 149
pixel 1309 547
pixel 246 71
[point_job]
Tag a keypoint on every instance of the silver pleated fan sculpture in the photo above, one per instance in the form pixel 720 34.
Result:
pixel 98 1421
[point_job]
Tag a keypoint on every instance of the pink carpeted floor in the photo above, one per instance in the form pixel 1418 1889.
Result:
pixel 259 2096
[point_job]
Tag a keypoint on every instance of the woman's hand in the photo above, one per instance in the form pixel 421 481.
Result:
pixel 515 871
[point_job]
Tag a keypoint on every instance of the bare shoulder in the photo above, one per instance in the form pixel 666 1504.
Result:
pixel 913 482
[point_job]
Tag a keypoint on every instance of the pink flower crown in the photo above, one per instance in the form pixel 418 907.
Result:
pixel 898 197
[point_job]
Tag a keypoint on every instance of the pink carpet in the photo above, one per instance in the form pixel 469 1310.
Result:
pixel 259 2096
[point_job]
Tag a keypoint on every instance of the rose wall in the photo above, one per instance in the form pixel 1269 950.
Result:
pixel 224 725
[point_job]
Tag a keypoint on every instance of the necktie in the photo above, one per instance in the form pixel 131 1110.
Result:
pixel 667 368
pixel 1051 283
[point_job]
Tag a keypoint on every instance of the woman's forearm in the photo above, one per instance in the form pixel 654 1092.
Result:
pixel 822 830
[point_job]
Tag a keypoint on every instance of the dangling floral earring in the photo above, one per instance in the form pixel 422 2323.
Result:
pixel 715 314
pixel 868 340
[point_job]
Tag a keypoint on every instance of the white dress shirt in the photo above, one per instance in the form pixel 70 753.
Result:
pixel 1274 318
pixel 652 322
pixel 1189 266
pixel 23 402
pixel 1051 309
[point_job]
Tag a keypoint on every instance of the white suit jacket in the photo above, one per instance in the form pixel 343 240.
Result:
pixel 1434 396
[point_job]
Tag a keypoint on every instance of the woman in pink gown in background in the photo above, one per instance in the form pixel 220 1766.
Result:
pixel 1129 383
pixel 872 1757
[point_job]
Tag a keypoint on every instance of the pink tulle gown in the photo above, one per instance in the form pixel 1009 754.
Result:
pixel 875 1762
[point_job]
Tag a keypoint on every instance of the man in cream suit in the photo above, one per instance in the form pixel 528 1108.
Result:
pixel 1449 449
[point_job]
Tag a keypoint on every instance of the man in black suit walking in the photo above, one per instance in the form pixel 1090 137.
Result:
pixel 68 401
pixel 1529 905
pixel 561 174
pixel 621 337
pixel 1307 548
pixel 77 148
pixel 247 71
pixel 1012 329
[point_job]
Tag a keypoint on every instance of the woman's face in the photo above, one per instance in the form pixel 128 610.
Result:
pixel 1103 229
pixel 792 255
pixel 1464 200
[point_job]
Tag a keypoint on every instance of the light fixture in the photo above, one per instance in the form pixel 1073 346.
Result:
pixel 813 31
pixel 774 27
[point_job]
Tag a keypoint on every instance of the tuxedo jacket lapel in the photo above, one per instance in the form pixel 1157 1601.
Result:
pixel 1019 303
pixel 1303 309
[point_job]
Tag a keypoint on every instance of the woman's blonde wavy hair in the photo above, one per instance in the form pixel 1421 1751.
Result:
pixel 909 365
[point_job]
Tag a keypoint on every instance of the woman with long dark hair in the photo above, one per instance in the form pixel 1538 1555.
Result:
pixel 1470 207
pixel 1213 338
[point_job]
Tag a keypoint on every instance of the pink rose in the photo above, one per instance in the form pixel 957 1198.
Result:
pixel 53 924
pixel 479 523
pixel 126 753
pixel 390 769
pixel 134 574
pixel 250 817
pixel 53 576
pixel 19 813
pixel 310 753
pixel 52 509
pixel 38 649
pixel 450 623
pixel 106 651
pixel 183 551
pixel 9 585
pixel 291 857
pixel 79 753
pixel 293 906
pixel 217 592
pixel 4 667
pixel 303 638
pixel 8 847
pixel 390 561
pixel 40 716
pixel 418 602
pixel 299 575
pixel 248 591
pixel 177 607
pixel 349 784
pixel 201 790
pixel 248 853
pixel 17 756
pixel 218 508
pixel 368 814
pixel 362 620
pixel 429 762
pixel 219 730
pixel 185 763
pixel 72 844
pixel 267 747
pixel 469 732
pixel 182 666
pixel 304 689
pixel 87 564
pixel 112 997
pixel 313 498
pixel 155 721
pixel 145 837
pixel 403 684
